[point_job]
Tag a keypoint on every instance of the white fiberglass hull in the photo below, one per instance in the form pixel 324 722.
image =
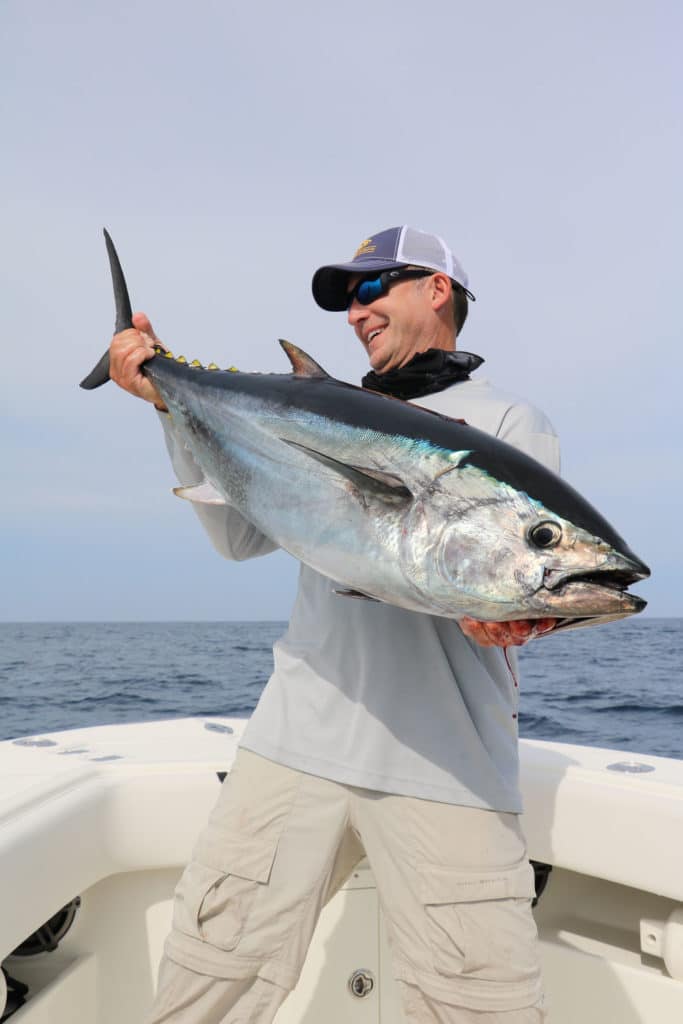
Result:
pixel 110 815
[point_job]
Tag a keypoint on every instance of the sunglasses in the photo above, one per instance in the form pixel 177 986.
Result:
pixel 371 288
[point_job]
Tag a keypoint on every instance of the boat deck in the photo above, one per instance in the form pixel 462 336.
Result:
pixel 110 815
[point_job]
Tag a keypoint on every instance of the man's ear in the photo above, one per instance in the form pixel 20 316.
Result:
pixel 440 290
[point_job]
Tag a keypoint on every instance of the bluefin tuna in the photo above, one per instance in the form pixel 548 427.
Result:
pixel 391 501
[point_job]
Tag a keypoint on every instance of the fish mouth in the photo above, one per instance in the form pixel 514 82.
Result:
pixel 596 592
pixel 617 573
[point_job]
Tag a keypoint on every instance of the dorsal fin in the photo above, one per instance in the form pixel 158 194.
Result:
pixel 302 364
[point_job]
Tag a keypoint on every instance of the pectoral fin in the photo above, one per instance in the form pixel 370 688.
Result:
pixel 372 481
pixel 202 494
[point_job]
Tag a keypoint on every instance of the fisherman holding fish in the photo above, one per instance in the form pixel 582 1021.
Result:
pixel 382 732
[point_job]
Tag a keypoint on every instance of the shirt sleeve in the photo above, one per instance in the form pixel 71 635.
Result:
pixel 231 534
pixel 530 430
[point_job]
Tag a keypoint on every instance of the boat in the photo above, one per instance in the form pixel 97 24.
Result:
pixel 96 825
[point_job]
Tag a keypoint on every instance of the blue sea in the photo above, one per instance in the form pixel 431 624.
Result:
pixel 618 685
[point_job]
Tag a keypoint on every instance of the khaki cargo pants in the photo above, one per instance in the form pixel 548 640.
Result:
pixel 454 885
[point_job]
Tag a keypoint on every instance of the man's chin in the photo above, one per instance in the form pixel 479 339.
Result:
pixel 380 363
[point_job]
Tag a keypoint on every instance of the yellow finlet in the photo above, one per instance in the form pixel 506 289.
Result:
pixel 212 366
pixel 195 362
pixel 181 359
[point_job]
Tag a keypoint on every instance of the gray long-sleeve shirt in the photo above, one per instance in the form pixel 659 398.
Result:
pixel 371 695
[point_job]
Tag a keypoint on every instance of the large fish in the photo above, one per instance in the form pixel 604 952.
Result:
pixel 392 501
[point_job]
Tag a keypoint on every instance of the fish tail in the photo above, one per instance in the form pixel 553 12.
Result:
pixel 124 316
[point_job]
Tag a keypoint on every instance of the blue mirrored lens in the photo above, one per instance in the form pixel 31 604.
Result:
pixel 368 291
pixel 372 288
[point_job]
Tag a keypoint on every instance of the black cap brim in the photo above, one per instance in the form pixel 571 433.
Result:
pixel 330 284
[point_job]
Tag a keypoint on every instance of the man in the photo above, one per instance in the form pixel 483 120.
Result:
pixel 381 732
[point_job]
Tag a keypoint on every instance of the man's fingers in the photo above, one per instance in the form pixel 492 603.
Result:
pixel 505 634
pixel 128 351
pixel 142 322
pixel 476 630
pixel 521 631
pixel 131 363
pixel 125 345
pixel 500 634
pixel 544 626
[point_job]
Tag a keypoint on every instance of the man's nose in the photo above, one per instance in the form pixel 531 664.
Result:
pixel 357 312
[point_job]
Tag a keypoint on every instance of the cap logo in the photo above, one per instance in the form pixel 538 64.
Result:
pixel 364 248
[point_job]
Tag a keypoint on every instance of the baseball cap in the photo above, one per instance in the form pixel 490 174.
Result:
pixel 388 250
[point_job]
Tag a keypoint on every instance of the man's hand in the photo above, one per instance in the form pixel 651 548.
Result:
pixel 127 352
pixel 505 634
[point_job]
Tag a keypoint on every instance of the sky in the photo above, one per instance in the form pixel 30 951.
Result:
pixel 231 149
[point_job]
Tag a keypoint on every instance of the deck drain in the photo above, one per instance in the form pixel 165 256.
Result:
pixel 633 767
pixel 34 743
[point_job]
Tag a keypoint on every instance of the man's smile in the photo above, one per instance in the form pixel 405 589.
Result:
pixel 374 333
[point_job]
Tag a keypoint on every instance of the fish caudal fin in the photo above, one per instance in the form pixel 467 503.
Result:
pixel 100 374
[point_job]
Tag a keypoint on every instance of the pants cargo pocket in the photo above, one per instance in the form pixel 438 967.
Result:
pixel 481 927
pixel 218 888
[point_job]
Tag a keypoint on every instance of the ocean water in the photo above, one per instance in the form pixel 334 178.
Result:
pixel 619 685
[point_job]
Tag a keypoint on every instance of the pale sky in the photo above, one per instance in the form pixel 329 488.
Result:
pixel 231 149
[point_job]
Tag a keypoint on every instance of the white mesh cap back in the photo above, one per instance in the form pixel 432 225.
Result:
pixel 428 250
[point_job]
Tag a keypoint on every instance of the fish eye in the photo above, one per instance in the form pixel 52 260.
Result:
pixel 545 535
